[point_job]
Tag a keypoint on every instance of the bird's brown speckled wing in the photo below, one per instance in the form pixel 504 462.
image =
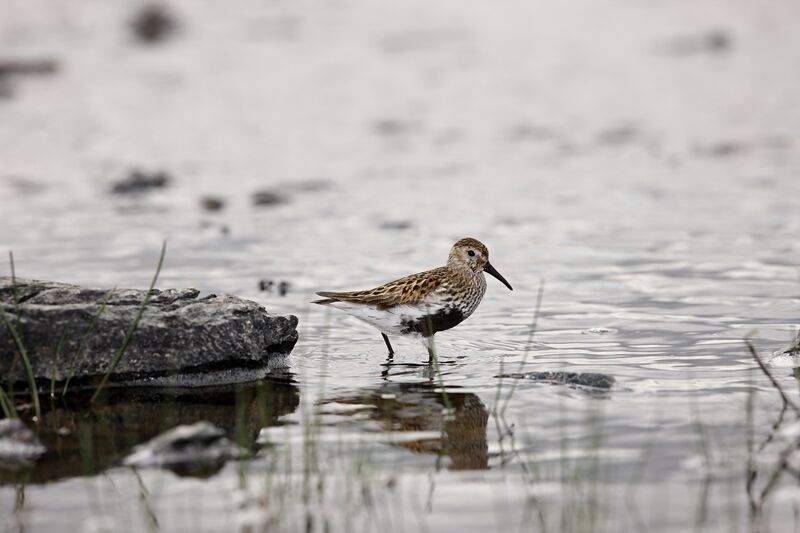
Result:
pixel 404 291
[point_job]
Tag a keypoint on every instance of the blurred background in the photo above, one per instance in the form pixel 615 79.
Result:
pixel 297 132
pixel 641 156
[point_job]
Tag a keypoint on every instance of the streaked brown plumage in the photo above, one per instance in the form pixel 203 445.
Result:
pixel 425 303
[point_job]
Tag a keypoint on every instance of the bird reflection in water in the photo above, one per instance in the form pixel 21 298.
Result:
pixel 459 418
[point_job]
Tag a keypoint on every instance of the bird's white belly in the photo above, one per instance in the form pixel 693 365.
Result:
pixel 390 320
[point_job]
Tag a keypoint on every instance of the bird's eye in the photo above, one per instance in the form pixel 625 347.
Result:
pixel 471 253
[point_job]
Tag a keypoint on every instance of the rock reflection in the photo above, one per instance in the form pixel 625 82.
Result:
pixel 83 439
pixel 460 419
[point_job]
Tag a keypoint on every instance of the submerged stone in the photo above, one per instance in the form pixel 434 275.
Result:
pixel 268 198
pixel 139 181
pixel 212 203
pixel 153 24
pixel 196 445
pixel 792 348
pixel 19 446
pixel 788 355
pixel 11 69
pixel 714 42
pixel 583 379
pixel 71 331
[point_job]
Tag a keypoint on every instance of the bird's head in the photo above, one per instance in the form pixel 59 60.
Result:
pixel 473 254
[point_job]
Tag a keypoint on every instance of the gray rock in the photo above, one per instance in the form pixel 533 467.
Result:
pixel 268 198
pixel 793 348
pixel 713 42
pixel 179 334
pixel 184 446
pixel 139 181
pixel 12 69
pixel 19 447
pixel 584 379
pixel 153 24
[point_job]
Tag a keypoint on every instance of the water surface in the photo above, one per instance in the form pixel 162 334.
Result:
pixel 649 180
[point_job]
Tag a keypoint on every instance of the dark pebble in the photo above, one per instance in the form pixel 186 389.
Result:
pixel 28 67
pixel 267 285
pixel 722 149
pixel 212 203
pixel 587 379
pixel 793 348
pixel 617 135
pixel 391 127
pixel 153 24
pixel 139 181
pixel 530 132
pixel 396 225
pixel 283 288
pixel 12 68
pixel 312 185
pixel 710 42
pixel 267 198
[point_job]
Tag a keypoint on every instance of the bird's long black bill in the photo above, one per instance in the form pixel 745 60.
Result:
pixel 489 269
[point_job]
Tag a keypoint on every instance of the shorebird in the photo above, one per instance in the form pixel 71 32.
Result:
pixel 423 304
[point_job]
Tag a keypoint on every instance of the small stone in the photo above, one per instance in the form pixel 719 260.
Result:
pixel 266 285
pixel 715 41
pixel 268 198
pixel 212 203
pixel 585 379
pixel 617 135
pixel 283 288
pixel 14 68
pixel 310 185
pixel 19 446
pixel 138 182
pixel 793 348
pixel 392 127
pixel 722 149
pixel 28 67
pixel 185 445
pixel 153 24
pixel 396 225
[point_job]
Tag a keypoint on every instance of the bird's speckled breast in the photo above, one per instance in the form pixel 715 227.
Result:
pixel 473 296
pixel 457 308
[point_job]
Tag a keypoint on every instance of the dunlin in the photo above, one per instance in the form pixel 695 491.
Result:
pixel 425 303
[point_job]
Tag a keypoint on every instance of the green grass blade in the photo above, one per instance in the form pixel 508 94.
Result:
pixel 84 340
pixel 16 332
pixel 133 327
pixel 531 333
pixel 7 405
pixel 56 357
pixel 28 370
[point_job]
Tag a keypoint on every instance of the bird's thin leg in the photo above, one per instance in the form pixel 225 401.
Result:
pixel 431 349
pixel 388 344
pixel 386 366
pixel 389 358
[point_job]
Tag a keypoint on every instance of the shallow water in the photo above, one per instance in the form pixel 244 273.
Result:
pixel 598 147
